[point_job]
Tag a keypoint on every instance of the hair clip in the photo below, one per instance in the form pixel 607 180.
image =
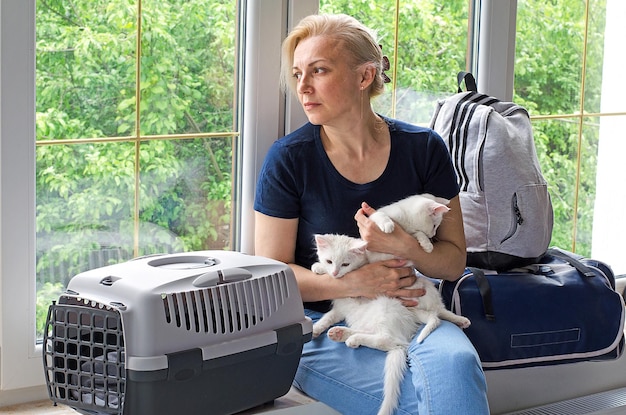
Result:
pixel 386 67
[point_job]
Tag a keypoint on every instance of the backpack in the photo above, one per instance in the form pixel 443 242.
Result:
pixel 507 211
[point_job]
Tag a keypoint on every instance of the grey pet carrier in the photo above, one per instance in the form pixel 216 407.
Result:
pixel 208 332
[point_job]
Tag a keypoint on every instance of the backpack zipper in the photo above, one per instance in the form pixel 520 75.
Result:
pixel 517 219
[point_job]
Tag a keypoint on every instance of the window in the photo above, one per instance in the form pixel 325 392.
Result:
pixel 137 122
pixel 567 73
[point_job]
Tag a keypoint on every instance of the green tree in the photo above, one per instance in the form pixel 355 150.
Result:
pixel 87 111
pixel 550 46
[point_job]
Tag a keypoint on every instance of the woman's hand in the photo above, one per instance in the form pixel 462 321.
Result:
pixel 446 261
pixel 391 278
pixel 394 243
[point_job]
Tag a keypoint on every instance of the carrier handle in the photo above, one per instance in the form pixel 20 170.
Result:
pixel 470 82
pixel 485 292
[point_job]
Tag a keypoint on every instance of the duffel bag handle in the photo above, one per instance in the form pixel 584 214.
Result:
pixel 485 288
pixel 580 267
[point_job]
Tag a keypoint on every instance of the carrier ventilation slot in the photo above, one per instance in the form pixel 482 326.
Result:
pixel 83 356
pixel 227 308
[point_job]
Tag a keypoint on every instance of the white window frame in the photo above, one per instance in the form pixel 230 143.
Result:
pixel 20 359
pixel 496 48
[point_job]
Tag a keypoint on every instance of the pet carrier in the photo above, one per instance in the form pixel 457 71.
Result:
pixel 207 332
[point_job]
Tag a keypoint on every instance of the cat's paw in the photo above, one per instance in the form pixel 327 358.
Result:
pixel 318 268
pixel 424 242
pixel 427 247
pixel 464 323
pixel 317 330
pixel 383 221
pixel 337 334
pixel 353 342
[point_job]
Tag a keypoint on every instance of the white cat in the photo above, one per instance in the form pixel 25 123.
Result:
pixel 418 215
pixel 384 323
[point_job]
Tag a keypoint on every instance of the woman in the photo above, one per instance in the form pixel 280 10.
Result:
pixel 348 159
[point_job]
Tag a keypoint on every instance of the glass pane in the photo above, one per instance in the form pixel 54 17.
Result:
pixel 596 60
pixel 557 148
pixel 84 207
pixel 87 199
pixel 549 56
pixel 432 49
pixel 572 193
pixel 85 77
pixel 612 57
pixel 186 191
pixel 587 190
pixel 187 66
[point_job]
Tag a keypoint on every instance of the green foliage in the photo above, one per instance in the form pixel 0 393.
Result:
pixel 550 43
pixel 46 294
pixel 87 87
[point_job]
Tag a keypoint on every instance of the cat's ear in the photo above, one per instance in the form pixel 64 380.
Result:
pixel 437 199
pixel 358 245
pixel 321 240
pixel 439 209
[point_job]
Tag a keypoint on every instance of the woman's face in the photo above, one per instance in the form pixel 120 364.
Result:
pixel 328 87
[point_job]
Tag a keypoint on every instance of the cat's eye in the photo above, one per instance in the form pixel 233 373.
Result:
pixel 345 264
pixel 328 261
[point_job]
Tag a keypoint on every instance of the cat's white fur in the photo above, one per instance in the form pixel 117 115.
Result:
pixel 384 323
pixel 418 215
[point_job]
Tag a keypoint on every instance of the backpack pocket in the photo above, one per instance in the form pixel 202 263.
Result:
pixel 531 222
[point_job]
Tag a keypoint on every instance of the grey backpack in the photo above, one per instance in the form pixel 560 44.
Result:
pixel 507 211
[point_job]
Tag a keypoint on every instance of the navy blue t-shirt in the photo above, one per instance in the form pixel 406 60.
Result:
pixel 298 180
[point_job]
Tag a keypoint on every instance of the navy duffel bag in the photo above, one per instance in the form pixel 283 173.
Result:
pixel 562 309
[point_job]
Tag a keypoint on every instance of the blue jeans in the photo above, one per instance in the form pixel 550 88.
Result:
pixel 444 375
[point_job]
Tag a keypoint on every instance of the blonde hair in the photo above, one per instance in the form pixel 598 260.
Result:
pixel 359 43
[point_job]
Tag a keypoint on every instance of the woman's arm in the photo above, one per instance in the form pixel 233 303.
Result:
pixel 446 261
pixel 276 238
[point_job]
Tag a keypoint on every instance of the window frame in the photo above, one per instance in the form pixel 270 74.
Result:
pixel 20 362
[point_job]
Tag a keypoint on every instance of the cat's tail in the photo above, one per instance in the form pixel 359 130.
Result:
pixel 432 323
pixel 395 366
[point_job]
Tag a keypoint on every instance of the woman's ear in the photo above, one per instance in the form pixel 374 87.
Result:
pixel 368 72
